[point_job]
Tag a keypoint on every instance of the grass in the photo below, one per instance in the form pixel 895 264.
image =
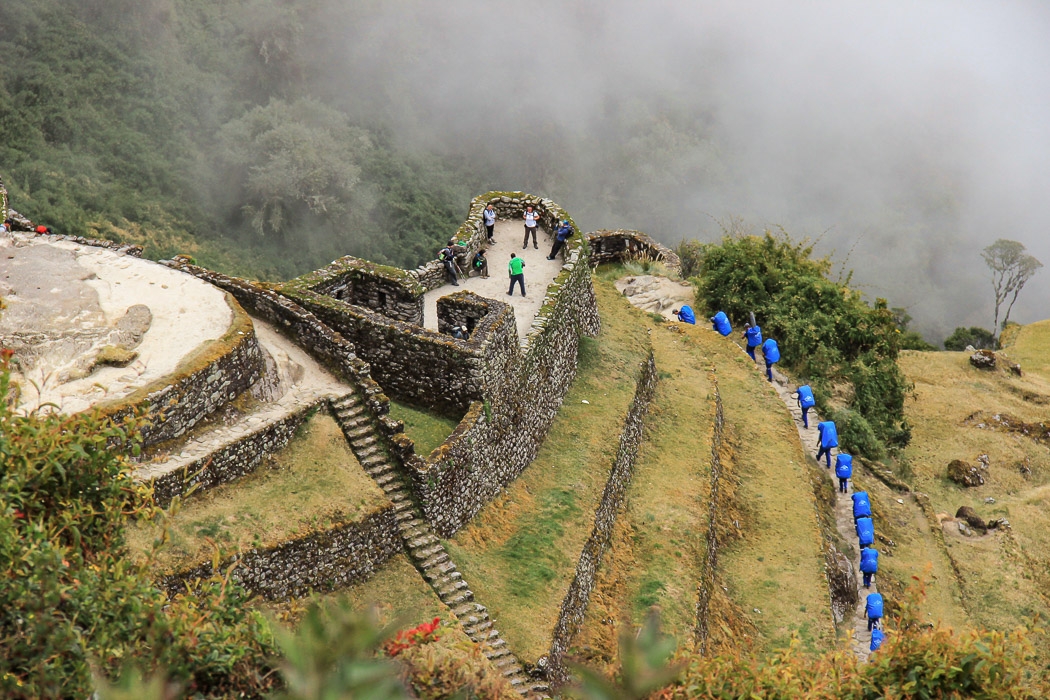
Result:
pixel 428 430
pixel 520 553
pixel 999 575
pixel 312 484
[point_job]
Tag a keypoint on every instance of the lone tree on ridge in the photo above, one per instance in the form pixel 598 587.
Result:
pixel 1011 267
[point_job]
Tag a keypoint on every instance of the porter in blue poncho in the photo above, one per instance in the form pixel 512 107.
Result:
pixel 829 437
pixel 771 353
pixel 843 470
pixel 720 322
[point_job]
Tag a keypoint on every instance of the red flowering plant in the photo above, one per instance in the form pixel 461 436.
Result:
pixel 405 639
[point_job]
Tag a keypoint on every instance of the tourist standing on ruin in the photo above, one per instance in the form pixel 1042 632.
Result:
pixel 490 222
pixel 516 268
pixel 531 221
pixel 564 231
pixel 447 256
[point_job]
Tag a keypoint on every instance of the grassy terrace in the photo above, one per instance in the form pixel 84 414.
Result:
pixel 428 430
pixel 519 554
pixel 1001 574
pixel 314 483
pixel 659 545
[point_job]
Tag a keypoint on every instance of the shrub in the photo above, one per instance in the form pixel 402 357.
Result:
pixel 857 437
pixel 976 336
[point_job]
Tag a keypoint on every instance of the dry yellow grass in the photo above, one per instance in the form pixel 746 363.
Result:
pixel 314 483
pixel 952 413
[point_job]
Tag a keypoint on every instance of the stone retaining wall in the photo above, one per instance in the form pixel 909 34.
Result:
pixel 622 244
pixel 203 382
pixel 322 561
pixel 230 462
pixel 574 606
pixel 709 569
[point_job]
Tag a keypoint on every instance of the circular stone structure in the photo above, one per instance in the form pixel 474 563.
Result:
pixel 89 324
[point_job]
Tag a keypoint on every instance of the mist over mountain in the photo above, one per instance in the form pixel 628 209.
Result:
pixel 276 134
pixel 904 137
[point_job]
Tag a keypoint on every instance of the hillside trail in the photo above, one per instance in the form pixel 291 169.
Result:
pixel 861 637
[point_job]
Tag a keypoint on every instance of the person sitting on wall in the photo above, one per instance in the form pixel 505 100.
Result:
pixel 865 532
pixel 447 256
pixel 805 401
pixel 516 269
pixel 459 333
pixel 685 315
pixel 771 354
pixel 480 264
pixel 861 505
pixel 720 323
pixel 873 607
pixel 753 336
pixel 562 235
pixel 869 564
pixel 532 219
pixel 490 222
pixel 843 470
pixel 829 437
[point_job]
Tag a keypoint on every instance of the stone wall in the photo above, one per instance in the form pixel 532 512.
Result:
pixel 574 606
pixel 231 462
pixel 388 291
pixel 204 382
pixel 709 568
pixel 617 246
pixel 322 561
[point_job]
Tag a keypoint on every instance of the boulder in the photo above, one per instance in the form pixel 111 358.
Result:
pixel 983 359
pixel 970 517
pixel 842 581
pixel 965 474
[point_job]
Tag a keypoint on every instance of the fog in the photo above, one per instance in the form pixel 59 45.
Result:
pixel 902 137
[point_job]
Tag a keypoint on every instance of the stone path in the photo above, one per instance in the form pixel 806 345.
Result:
pixel 861 641
pixel 539 273
pixel 297 380
pixel 424 548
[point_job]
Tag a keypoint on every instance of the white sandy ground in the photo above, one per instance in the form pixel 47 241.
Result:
pixel 539 273
pixel 187 313
pixel 302 382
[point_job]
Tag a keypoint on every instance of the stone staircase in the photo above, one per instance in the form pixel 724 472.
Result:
pixel 424 548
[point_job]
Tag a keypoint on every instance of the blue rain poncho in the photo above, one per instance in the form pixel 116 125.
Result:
pixel 829 434
pixel 754 336
pixel 869 561
pixel 770 351
pixel 720 322
pixel 686 315
pixel 805 396
pixel 865 532
pixel 843 466
pixel 873 606
pixel 861 505
pixel 877 638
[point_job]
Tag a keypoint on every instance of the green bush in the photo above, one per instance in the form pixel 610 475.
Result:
pixel 976 336
pixel 857 437
pixel 826 331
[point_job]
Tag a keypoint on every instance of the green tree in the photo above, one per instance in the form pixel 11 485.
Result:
pixel 976 336
pixel 1011 268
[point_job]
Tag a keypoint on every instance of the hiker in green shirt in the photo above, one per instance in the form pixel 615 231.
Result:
pixel 516 268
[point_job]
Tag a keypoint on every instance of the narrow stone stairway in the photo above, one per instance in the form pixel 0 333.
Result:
pixel 424 548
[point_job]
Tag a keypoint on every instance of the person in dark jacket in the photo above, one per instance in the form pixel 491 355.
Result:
pixel 685 315
pixel 720 323
pixel 806 401
pixel 480 263
pixel 771 354
pixel 447 255
pixel 843 470
pixel 865 532
pixel 560 236
pixel 861 505
pixel 753 336
pixel 869 564
pixel 829 437
pixel 873 608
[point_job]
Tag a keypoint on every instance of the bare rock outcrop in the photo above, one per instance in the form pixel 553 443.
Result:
pixel 965 474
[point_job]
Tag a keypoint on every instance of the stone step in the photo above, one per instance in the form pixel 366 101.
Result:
pixel 354 409
pixel 496 656
pixel 398 494
pixel 402 515
pixel 381 466
pixel 423 540
pixel 435 571
pixel 478 628
pixel 358 431
pixel 449 587
pixel 469 609
pixel 373 460
pixel 423 552
pixel 366 452
pixel 385 477
pixel 509 666
pixel 363 442
pixel 348 401
pixel 457 598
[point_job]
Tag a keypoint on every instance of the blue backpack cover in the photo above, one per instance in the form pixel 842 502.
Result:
pixel 805 396
pixel 865 531
pixel 874 605
pixel 862 508
pixel 877 637
pixel 685 315
pixel 829 434
pixel 843 466
pixel 869 561
pixel 770 351
pixel 754 336
pixel 720 322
